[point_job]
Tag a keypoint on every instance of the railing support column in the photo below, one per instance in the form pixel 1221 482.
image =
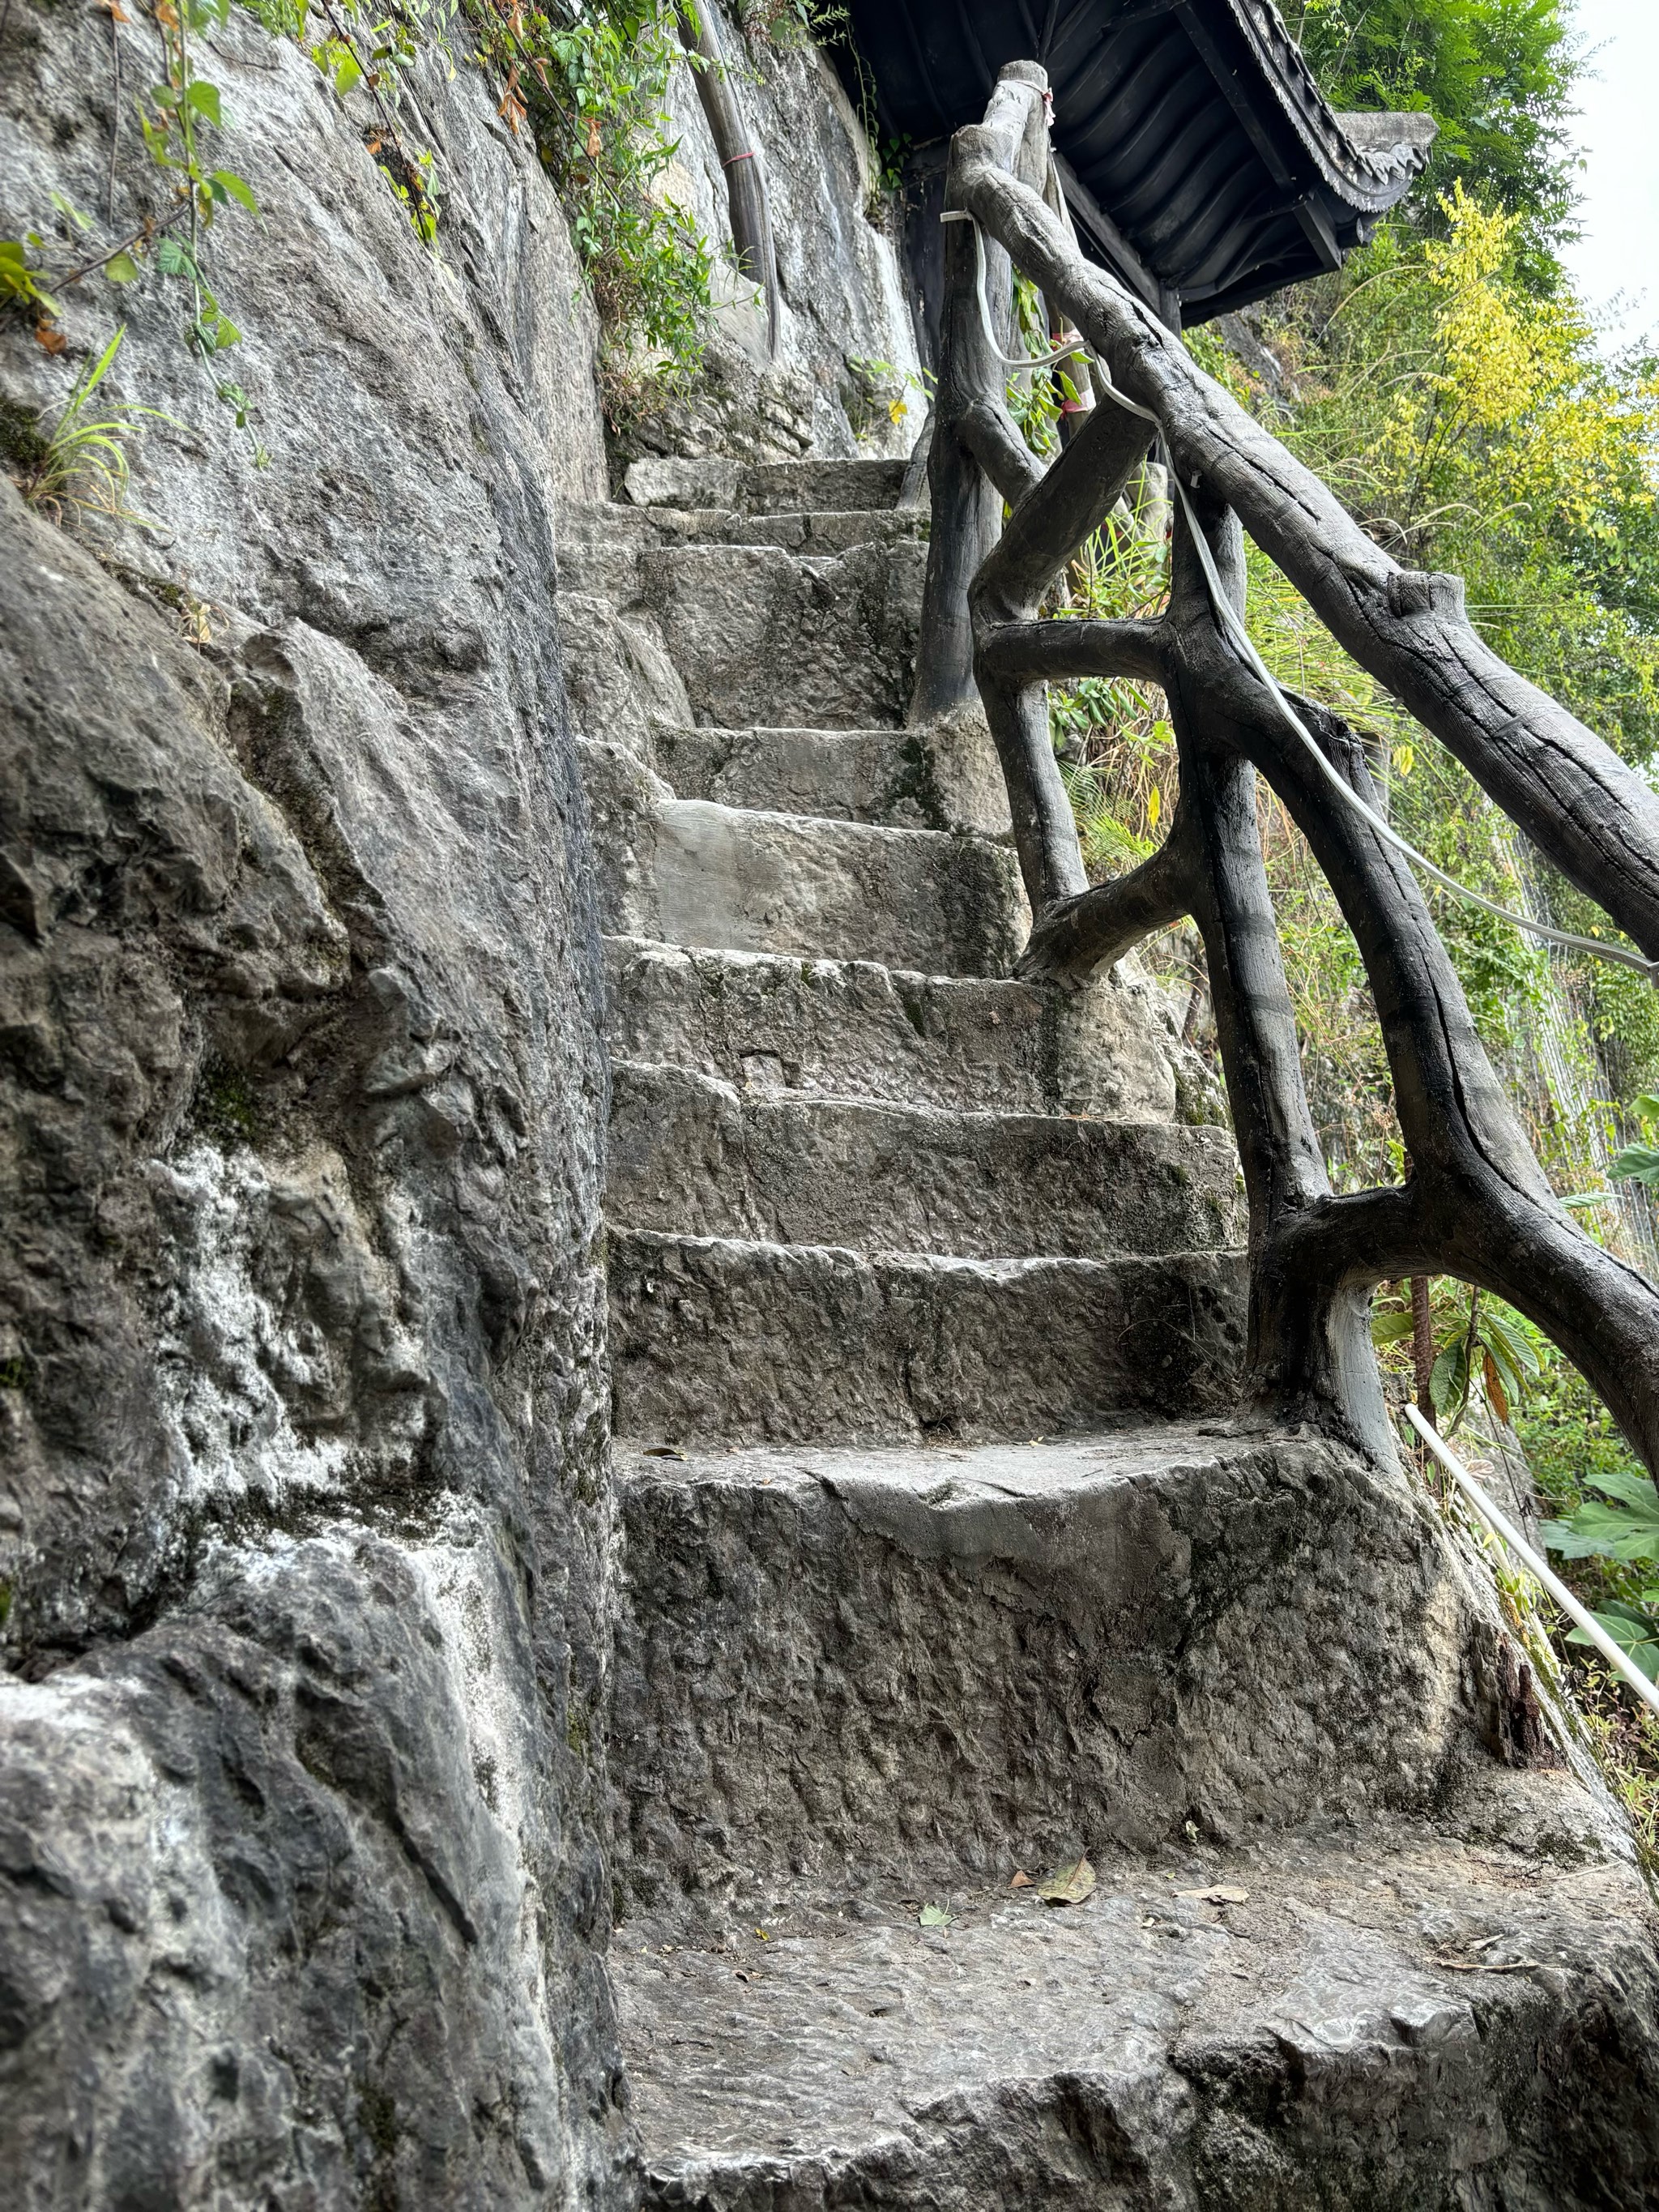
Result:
pixel 967 506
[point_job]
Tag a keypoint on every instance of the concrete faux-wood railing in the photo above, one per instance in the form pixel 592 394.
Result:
pixel 1475 1204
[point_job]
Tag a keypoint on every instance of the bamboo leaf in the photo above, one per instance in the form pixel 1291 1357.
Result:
pixel 1390 1328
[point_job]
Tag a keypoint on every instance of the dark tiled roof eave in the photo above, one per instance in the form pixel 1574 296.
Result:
pixel 1194 129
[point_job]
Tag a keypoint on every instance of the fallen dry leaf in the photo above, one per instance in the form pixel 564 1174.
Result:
pixel 1218 1893
pixel 1068 1885
pixel 49 338
pixel 662 1451
pixel 1022 1879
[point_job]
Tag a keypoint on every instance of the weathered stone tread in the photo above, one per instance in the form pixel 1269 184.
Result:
pixel 920 1659
pixel 746 1340
pixel 854 1028
pixel 690 1154
pixel 694 873
pixel 905 778
pixel 766 487
pixel 1314 2049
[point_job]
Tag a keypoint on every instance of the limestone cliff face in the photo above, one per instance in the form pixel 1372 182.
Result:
pixel 305 1513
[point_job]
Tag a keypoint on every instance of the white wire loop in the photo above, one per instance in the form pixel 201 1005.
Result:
pixel 1233 622
pixel 1073 339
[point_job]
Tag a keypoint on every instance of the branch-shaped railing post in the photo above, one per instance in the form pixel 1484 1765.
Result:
pixel 978 458
pixel 1588 812
pixel 1476 1204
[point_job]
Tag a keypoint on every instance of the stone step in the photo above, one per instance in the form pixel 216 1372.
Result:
pixel 933 1663
pixel 765 487
pixel 696 873
pixel 946 778
pixel 1396 2021
pixel 688 1154
pixel 735 1340
pixel 609 527
pixel 853 1029
pixel 760 635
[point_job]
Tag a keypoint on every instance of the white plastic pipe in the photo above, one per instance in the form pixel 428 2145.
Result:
pixel 1523 1552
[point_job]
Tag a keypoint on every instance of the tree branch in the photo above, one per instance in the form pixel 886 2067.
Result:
pixel 991 436
pixel 1062 510
pixel 1099 926
pixel 1478 1205
pixel 1058 652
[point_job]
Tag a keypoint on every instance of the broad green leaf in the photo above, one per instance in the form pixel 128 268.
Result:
pixel 121 269
pixel 204 99
pixel 1509 1343
pixel 1629 1486
pixel 227 182
pixel 1389 1328
pixel 1636 1163
pixel 348 74
pixel 1605 1532
pixel 1449 1378
pixel 173 259
pixel 1636 1635
pixel 934 1916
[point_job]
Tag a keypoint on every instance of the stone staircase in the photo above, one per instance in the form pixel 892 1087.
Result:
pixel 944 1561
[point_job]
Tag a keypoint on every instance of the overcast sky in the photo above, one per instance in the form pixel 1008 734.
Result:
pixel 1618 130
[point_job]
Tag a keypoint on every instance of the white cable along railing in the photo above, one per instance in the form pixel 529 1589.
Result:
pixel 1502 1528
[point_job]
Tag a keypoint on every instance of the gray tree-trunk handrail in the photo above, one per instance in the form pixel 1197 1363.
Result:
pixel 1475 1204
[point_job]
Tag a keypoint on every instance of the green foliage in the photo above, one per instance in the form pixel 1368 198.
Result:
pixel 81 463
pixel 1483 1350
pixel 19 280
pixel 1605 1522
pixel 1625 1737
pixel 1634 1629
pixel 1625 1530
pixel 1498 76
pixel 227 1108
pixel 1639 1163
pixel 588 83
pixel 1473 426
pixel 876 389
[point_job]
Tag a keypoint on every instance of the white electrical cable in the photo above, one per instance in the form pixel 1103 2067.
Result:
pixel 1233 622
pixel 1523 1552
pixel 1075 342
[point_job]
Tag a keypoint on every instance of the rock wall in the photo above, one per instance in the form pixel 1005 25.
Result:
pixel 845 380
pixel 306 1528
